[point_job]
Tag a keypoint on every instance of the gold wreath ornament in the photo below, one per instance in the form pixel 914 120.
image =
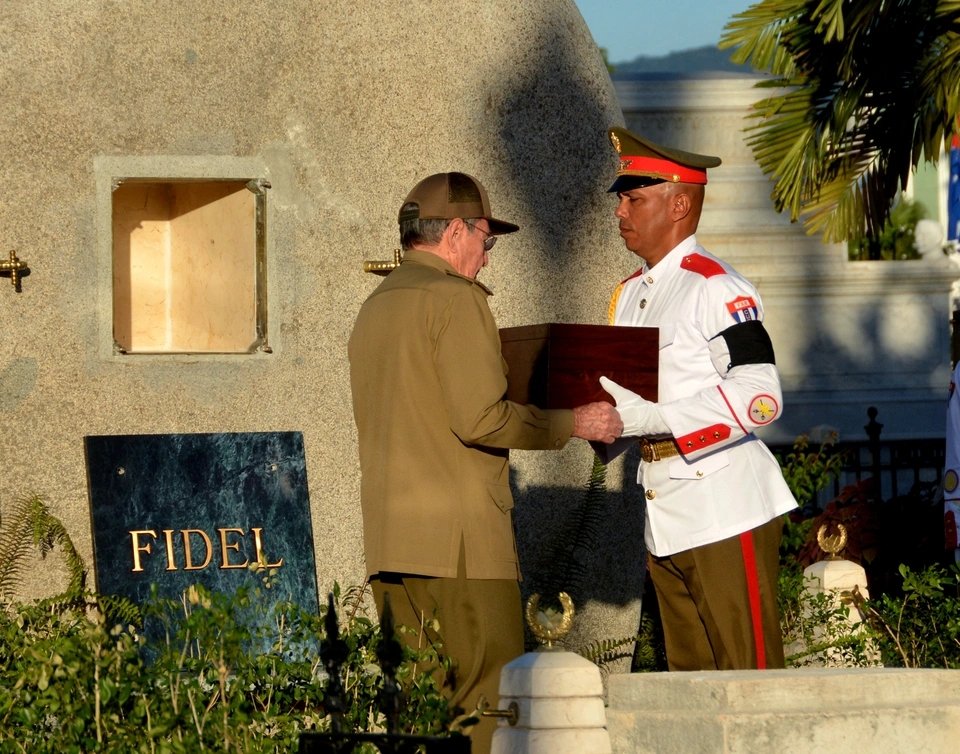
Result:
pixel 834 543
pixel 545 625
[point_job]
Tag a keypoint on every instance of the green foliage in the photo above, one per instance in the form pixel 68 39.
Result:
pixel 816 625
pixel 72 681
pixel 604 651
pixel 650 654
pixel 915 625
pixel 30 525
pixel 229 672
pixel 920 627
pixel 863 92
pixel 896 240
pixel 807 471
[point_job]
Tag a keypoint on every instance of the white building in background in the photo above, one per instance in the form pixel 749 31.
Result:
pixel 848 335
pixel 936 187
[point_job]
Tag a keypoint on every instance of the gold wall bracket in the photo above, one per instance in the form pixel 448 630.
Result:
pixel 383 267
pixel 15 268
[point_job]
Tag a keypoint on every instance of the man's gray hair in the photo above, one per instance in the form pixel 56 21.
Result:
pixel 426 232
pixel 417 231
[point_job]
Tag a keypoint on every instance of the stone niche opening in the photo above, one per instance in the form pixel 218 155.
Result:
pixel 188 266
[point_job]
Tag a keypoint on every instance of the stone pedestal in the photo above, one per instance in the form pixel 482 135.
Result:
pixel 838 577
pixel 559 696
pixel 839 580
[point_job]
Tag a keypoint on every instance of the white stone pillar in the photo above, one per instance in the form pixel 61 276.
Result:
pixel 560 710
pixel 839 579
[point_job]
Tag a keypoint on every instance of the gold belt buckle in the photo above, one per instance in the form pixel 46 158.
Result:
pixel 648 451
pixel 657 450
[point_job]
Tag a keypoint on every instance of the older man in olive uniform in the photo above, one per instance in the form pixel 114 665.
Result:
pixel 715 494
pixel 428 383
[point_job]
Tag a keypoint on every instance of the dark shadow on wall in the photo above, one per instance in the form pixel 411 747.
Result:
pixel 581 539
pixel 554 143
pixel 588 542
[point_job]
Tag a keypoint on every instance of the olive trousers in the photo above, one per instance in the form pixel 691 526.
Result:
pixel 479 627
pixel 718 602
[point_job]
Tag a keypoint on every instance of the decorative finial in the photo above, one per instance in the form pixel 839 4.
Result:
pixel 546 626
pixel 834 543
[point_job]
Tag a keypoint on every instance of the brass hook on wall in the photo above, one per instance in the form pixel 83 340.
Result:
pixel 15 268
pixel 383 267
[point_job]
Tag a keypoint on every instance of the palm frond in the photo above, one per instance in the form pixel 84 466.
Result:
pixel 866 91
pixel 354 598
pixel 118 609
pixel 14 546
pixel 756 35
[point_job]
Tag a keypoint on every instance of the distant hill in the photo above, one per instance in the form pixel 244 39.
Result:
pixel 698 60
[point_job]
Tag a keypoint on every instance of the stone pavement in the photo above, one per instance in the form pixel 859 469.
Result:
pixel 801 711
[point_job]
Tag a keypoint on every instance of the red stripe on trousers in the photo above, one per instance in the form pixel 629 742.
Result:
pixel 753 593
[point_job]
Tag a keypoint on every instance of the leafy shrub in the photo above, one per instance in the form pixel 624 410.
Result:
pixel 70 680
pixel 807 471
pixel 913 616
pixel 896 240
pixel 920 627
pixel 79 673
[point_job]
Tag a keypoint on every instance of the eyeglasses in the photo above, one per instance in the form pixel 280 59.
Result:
pixel 489 239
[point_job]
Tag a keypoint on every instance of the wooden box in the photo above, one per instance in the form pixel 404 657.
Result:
pixel 560 365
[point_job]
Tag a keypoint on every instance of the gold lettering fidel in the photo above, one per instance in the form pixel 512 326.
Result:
pixel 168 538
pixel 230 540
pixel 138 548
pixel 187 555
pixel 258 545
pixel 225 546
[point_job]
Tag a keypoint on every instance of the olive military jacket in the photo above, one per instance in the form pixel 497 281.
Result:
pixel 428 383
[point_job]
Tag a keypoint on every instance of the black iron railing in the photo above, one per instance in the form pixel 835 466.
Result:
pixel 896 467
pixel 333 653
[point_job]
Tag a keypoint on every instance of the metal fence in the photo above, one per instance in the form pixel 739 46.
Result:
pixel 897 467
pixel 339 740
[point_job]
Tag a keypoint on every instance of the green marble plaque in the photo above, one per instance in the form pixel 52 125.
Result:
pixel 176 510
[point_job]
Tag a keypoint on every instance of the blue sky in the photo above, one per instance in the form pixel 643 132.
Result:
pixel 628 28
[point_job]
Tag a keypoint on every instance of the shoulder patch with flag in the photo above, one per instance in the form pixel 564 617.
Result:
pixel 743 309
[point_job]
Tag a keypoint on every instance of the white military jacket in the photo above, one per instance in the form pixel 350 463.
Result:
pixel 725 481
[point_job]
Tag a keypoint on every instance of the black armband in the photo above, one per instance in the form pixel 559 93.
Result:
pixel 748 343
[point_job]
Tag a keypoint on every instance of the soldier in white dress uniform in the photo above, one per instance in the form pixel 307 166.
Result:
pixel 715 495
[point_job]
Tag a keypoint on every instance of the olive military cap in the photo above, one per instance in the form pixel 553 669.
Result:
pixel 445 196
pixel 643 163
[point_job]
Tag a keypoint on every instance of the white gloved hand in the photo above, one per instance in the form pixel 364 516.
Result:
pixel 640 417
